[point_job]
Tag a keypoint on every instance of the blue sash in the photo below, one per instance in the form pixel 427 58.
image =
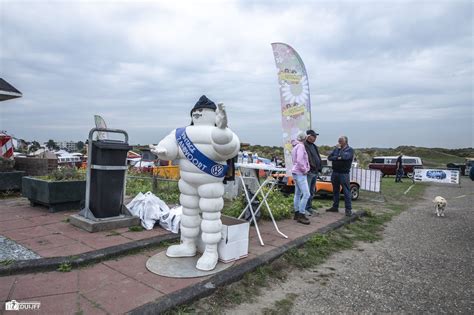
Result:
pixel 196 157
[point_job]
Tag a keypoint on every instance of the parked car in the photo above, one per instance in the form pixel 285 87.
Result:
pixel 469 166
pixel 457 166
pixel 323 184
pixel 387 164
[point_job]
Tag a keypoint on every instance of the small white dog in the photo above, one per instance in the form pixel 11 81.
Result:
pixel 440 205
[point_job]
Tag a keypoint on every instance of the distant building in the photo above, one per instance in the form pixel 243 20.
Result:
pixel 69 146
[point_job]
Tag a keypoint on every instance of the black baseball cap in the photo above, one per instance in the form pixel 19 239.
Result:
pixel 311 132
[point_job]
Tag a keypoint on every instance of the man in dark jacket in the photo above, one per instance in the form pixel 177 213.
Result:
pixel 314 167
pixel 341 158
pixel 399 169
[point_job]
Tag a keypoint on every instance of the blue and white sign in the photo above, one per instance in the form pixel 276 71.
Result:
pixel 436 176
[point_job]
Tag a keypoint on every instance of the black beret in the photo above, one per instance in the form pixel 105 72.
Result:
pixel 204 102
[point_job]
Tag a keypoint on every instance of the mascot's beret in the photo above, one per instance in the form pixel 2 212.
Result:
pixel 204 102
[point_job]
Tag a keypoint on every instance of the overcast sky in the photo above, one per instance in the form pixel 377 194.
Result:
pixel 384 73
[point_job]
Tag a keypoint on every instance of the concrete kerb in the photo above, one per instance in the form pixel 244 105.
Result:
pixel 50 264
pixel 233 274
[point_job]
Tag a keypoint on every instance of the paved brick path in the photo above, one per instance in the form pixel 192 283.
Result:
pixel 113 286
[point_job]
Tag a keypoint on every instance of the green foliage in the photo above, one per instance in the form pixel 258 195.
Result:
pixel 65 174
pixel 64 267
pixel 112 233
pixel 6 262
pixel 9 194
pixel 432 157
pixel 137 184
pixel 52 145
pixel 280 204
pixel 283 306
pixel 167 190
pixel 317 249
pixel 80 145
pixel 136 228
pixel 246 290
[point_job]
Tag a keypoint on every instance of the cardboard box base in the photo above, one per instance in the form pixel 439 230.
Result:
pixel 234 243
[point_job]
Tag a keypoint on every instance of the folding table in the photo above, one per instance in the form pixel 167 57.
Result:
pixel 269 181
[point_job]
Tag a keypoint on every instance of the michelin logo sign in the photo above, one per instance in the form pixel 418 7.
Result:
pixel 436 175
pixel 14 305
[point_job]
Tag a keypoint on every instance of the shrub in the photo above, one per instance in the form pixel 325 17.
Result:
pixel 65 174
pixel 281 206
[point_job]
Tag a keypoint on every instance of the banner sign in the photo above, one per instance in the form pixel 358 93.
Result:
pixel 294 96
pixel 369 180
pixel 436 175
pixel 100 123
pixel 6 146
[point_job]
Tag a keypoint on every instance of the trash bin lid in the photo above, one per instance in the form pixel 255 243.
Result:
pixel 111 145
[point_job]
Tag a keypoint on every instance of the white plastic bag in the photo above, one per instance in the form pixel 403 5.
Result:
pixel 150 209
pixel 170 221
pixel 134 206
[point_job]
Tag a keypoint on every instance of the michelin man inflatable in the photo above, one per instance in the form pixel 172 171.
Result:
pixel 202 149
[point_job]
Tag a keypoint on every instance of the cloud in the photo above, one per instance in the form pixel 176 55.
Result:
pixel 142 66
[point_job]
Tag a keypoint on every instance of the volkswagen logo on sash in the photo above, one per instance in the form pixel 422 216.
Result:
pixel 217 170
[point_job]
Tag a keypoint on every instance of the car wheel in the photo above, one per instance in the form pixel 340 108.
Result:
pixel 410 175
pixel 354 192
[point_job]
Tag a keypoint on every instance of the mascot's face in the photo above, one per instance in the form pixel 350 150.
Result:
pixel 204 116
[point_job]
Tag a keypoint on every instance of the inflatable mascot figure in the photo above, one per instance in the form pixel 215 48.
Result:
pixel 202 149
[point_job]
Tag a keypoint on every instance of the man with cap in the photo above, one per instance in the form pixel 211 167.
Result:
pixel 315 167
pixel 341 158
pixel 202 149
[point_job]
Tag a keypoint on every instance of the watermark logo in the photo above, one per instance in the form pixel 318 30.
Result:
pixel 14 305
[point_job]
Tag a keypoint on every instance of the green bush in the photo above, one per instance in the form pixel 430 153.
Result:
pixel 65 174
pixel 136 185
pixel 281 206
pixel 168 191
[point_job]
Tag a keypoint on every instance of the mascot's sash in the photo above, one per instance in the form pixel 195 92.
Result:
pixel 196 157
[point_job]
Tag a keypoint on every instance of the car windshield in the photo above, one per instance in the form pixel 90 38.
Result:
pixel 326 171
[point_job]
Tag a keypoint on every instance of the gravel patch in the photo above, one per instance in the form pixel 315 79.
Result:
pixel 9 250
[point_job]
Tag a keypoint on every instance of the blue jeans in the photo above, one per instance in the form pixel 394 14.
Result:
pixel 311 177
pixel 338 180
pixel 399 175
pixel 301 193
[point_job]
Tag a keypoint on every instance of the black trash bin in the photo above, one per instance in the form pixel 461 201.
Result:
pixel 106 186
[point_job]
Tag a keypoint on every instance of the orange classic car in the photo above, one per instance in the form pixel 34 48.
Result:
pixel 323 184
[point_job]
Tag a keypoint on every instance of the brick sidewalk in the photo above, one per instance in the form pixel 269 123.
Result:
pixel 112 286
pixel 50 235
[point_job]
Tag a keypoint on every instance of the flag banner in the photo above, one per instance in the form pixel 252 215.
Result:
pixel 436 176
pixel 294 96
pixel 100 123
pixel 369 180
